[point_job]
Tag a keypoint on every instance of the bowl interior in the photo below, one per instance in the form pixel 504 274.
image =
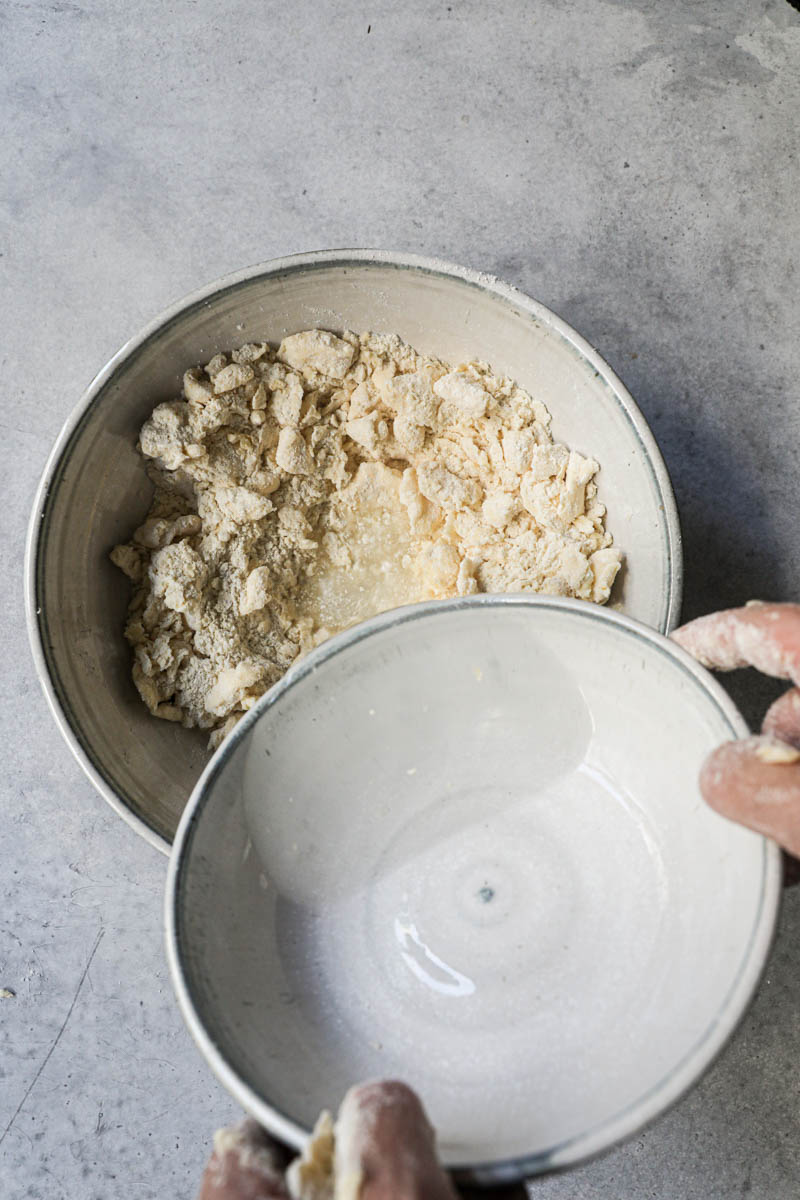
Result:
pixel 97 491
pixel 464 846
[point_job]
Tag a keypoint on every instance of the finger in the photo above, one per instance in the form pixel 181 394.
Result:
pixel 756 782
pixel 386 1147
pixel 783 718
pixel 245 1165
pixel 765 636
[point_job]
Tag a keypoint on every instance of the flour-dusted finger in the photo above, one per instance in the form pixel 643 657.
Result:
pixel 756 782
pixel 783 718
pixel 764 636
pixel 245 1165
pixel 386 1147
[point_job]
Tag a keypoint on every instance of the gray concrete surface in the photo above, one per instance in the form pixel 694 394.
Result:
pixel 631 164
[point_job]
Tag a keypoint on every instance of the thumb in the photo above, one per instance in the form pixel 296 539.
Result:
pixel 245 1165
pixel 386 1147
pixel 756 781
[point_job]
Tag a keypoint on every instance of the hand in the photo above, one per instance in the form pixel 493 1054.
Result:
pixel 384 1143
pixel 245 1164
pixel 755 781
pixel 383 1134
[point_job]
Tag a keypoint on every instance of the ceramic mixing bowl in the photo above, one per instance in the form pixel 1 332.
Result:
pixel 462 844
pixel 95 491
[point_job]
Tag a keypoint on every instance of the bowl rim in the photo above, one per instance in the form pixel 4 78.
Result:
pixel 659 1098
pixel 56 696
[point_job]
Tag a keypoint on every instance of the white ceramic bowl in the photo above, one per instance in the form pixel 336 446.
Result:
pixel 463 844
pixel 94 491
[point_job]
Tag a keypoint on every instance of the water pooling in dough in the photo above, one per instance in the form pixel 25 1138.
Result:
pixel 380 573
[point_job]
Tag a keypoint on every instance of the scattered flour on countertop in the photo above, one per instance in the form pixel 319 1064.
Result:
pixel 301 490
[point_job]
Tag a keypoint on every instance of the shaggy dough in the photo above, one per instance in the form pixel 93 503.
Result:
pixel 302 490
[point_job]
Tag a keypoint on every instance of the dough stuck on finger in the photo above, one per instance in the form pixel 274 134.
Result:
pixel 774 751
pixel 311 1176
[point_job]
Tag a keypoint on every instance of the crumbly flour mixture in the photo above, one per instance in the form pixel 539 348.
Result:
pixel 301 490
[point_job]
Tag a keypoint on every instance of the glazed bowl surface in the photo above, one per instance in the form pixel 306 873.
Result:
pixel 462 844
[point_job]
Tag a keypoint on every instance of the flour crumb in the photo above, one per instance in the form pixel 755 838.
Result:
pixel 777 753
pixel 301 490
